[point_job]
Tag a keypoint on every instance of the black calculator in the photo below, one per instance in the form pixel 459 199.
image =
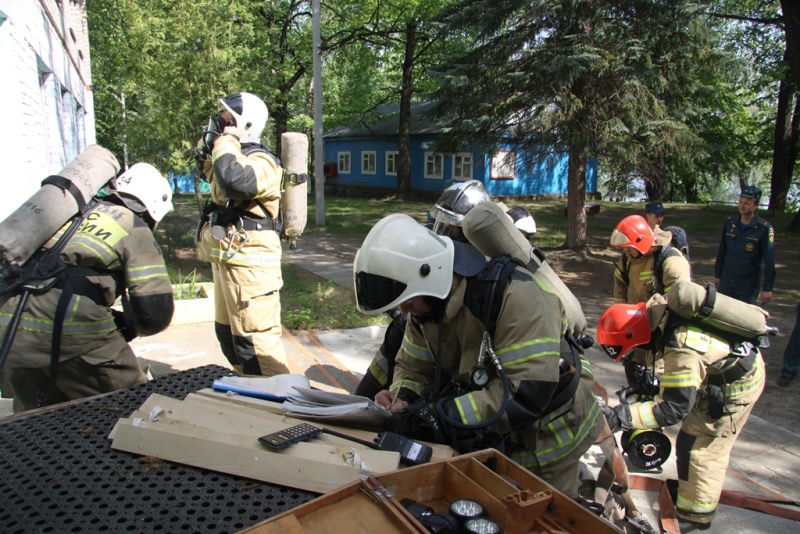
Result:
pixel 288 436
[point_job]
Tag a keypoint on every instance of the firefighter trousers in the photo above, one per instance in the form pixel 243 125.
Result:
pixel 248 321
pixel 100 371
pixel 704 445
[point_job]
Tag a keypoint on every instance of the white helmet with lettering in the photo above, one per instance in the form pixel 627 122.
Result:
pixel 398 260
pixel 144 184
pixel 250 114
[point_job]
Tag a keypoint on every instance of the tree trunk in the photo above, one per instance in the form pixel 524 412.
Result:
pixel 576 200
pixel 690 188
pixel 782 160
pixel 406 90
pixel 280 118
pixel 791 19
pixel 794 224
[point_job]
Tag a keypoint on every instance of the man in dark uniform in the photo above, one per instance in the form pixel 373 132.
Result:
pixel 654 213
pixel 746 258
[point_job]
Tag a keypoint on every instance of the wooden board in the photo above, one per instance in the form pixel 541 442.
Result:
pixel 440 452
pixel 234 459
pixel 222 437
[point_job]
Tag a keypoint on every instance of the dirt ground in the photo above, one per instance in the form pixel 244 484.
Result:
pixel 591 280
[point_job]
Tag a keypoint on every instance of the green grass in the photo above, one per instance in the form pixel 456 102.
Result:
pixel 308 301
pixel 352 217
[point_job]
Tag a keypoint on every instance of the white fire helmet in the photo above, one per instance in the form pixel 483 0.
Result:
pixel 250 114
pixel 145 184
pixel 398 260
pixel 455 202
pixel 523 220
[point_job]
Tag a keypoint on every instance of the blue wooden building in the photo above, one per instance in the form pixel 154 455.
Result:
pixel 366 157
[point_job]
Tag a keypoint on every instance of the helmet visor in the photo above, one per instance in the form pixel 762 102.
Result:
pixel 234 102
pixel 374 292
pixel 618 239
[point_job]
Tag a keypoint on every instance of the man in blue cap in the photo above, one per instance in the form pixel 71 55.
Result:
pixel 654 213
pixel 746 257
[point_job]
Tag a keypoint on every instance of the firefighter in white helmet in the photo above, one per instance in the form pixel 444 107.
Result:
pixel 240 236
pixel 69 343
pixel 402 263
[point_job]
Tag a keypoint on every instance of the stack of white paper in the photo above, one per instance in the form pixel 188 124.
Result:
pixel 306 403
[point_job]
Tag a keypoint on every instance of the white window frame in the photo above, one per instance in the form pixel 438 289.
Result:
pixel 343 162
pixel 462 161
pixel 504 165
pixel 432 161
pixel 368 162
pixel 391 162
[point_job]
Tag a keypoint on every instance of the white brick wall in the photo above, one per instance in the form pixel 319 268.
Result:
pixel 45 93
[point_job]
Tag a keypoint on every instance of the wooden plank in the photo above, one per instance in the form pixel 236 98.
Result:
pixel 369 461
pixel 223 405
pixel 457 485
pixel 233 459
pixel 207 407
pixel 440 452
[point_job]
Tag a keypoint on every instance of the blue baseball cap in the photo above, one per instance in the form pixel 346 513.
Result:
pixel 751 191
pixel 655 207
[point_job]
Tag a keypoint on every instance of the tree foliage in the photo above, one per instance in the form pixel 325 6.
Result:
pixel 592 76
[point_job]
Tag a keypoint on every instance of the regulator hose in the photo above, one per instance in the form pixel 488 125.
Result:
pixel 452 422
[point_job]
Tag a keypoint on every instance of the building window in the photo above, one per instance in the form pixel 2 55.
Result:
pixel 504 165
pixel 368 162
pixel 391 163
pixel 434 163
pixel 344 163
pixel 462 166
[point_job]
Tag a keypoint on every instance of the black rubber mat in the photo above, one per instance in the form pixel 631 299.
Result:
pixel 58 473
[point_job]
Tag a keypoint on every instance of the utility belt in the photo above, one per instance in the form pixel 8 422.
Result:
pixel 731 368
pixel 223 216
pixel 234 223
pixel 726 371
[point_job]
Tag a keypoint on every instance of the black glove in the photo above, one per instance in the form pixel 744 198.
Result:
pixel 128 332
pixel 612 417
pixel 418 421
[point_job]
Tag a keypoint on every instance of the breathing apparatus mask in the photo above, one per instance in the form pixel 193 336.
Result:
pixel 216 125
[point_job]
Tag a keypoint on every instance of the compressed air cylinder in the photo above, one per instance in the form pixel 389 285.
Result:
pixel 23 232
pixel 294 155
pixel 492 232
pixel 688 300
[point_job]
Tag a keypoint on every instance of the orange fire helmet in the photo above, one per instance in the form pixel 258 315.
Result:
pixel 622 328
pixel 633 232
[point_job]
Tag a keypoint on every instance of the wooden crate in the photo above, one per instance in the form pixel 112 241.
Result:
pixel 510 494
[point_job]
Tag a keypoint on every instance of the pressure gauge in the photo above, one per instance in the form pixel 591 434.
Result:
pixel 479 376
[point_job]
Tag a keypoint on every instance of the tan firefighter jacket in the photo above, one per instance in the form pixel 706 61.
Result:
pixel 116 244
pixel 635 279
pixel 249 182
pixel 691 354
pixel 527 338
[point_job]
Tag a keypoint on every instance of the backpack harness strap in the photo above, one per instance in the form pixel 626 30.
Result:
pixel 68 186
pixel 44 271
pixel 484 299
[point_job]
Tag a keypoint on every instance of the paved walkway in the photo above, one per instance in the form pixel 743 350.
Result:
pixel 766 459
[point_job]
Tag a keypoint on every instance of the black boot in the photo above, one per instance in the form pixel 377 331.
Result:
pixel 690 526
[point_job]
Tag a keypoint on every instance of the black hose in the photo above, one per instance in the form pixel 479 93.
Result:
pixel 452 422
